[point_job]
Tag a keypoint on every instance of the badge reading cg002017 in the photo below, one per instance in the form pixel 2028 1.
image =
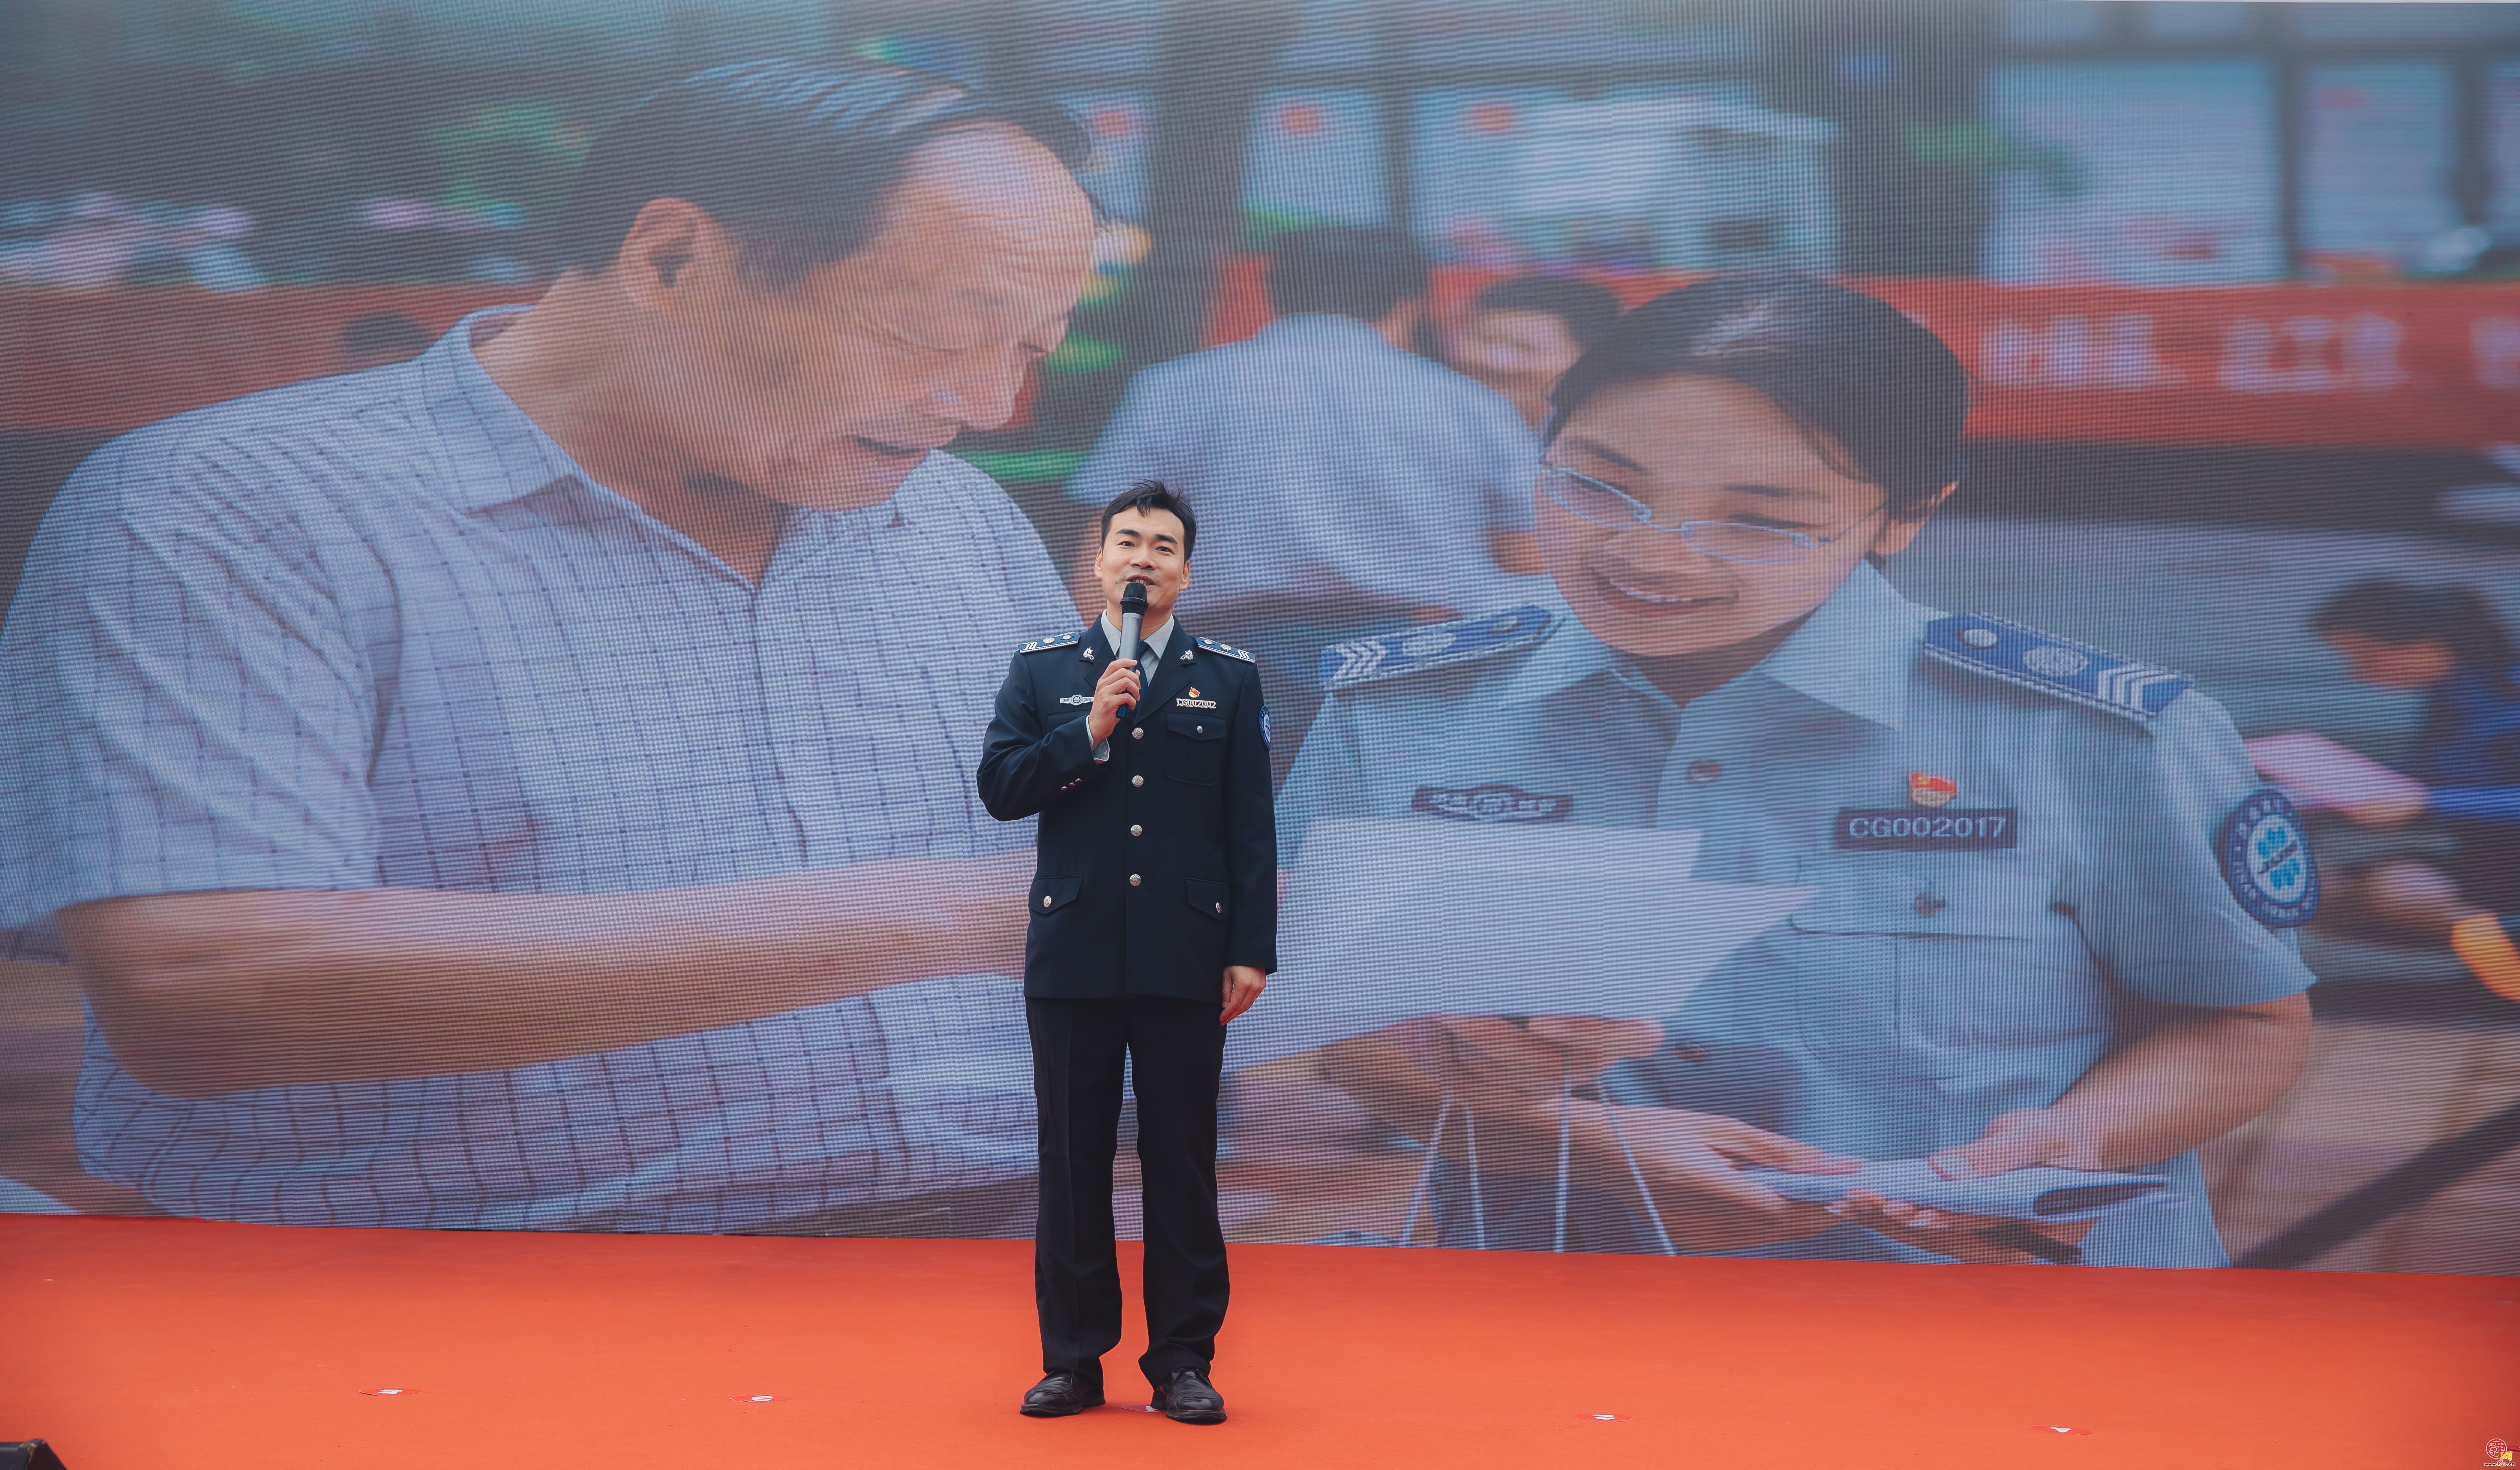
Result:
pixel 2267 862
pixel 1931 790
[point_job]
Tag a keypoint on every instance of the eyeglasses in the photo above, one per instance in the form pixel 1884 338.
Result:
pixel 1724 540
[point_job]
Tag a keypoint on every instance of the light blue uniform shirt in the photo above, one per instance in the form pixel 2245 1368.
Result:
pixel 1867 1022
pixel 1327 463
pixel 380 631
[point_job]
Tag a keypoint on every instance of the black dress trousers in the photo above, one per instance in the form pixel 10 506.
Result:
pixel 1177 1049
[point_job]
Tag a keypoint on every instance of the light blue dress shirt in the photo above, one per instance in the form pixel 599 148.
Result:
pixel 1920 994
pixel 381 631
pixel 1325 463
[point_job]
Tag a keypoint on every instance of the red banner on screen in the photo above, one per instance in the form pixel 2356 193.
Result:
pixel 2332 367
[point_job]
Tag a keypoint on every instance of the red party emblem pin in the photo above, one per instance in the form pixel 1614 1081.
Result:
pixel 1931 790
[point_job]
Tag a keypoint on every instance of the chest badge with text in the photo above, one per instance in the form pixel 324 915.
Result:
pixel 1494 802
pixel 1076 698
pixel 1191 700
pixel 1905 830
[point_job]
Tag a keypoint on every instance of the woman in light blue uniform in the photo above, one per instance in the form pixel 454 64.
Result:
pixel 2054 904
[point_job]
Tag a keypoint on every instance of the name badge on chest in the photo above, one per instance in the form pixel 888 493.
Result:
pixel 1909 829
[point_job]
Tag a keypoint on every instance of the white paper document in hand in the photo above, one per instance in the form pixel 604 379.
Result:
pixel 2039 1192
pixel 1389 919
pixel 2320 773
pixel 1409 917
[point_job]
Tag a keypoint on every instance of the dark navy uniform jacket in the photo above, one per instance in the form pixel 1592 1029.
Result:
pixel 1158 868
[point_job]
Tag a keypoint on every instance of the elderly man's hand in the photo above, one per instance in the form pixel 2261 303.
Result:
pixel 1489 1062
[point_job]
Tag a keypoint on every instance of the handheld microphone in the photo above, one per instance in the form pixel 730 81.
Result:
pixel 1133 611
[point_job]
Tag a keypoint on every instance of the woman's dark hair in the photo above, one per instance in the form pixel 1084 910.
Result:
pixel 1352 270
pixel 2457 617
pixel 1879 397
pixel 793 155
pixel 1154 495
pixel 1587 310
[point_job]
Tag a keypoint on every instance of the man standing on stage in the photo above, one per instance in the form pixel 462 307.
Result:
pixel 1154 921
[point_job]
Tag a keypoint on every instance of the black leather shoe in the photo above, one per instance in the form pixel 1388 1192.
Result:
pixel 1061 1395
pixel 1189 1396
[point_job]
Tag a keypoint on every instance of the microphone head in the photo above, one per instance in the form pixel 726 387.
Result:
pixel 1133 599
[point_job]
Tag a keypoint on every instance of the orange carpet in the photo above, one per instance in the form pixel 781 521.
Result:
pixel 177 1345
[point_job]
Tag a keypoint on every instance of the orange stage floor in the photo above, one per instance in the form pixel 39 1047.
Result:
pixel 177 1345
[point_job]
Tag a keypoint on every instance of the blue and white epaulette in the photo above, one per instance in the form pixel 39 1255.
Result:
pixel 2001 648
pixel 1406 650
pixel 1227 649
pixel 1063 641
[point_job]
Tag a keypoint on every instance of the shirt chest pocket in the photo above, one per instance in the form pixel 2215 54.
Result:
pixel 1196 749
pixel 1922 969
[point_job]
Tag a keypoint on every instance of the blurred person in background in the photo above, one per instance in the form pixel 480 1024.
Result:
pixel 1348 483
pixel 1520 334
pixel 381 340
pixel 2448 643
pixel 529 786
pixel 2025 946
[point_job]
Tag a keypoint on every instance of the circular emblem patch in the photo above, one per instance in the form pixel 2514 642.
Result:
pixel 2267 861
pixel 1426 645
pixel 1264 727
pixel 2056 662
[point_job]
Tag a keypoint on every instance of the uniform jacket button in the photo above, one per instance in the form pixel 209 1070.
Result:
pixel 1136 780
pixel 1134 880
pixel 1137 734
pixel 1704 772
pixel 1690 1052
pixel 1045 899
pixel 1929 902
pixel 1136 830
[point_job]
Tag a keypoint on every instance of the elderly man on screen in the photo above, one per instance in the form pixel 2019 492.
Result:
pixel 528 785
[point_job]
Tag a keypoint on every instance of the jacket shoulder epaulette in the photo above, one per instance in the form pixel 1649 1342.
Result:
pixel 1227 649
pixel 2018 654
pixel 1061 640
pixel 1432 645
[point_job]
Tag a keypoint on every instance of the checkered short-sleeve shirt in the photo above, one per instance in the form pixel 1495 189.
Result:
pixel 381 631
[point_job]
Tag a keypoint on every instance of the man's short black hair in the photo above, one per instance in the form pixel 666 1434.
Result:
pixel 1587 310
pixel 792 154
pixel 1154 495
pixel 1346 269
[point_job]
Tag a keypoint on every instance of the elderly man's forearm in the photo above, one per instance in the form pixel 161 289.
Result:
pixel 206 993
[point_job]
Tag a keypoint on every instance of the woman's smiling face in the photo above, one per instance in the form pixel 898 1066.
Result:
pixel 1697 447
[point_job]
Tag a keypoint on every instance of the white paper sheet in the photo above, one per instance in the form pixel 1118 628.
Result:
pixel 1389 919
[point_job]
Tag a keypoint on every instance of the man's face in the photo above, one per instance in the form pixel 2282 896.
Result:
pixel 1518 353
pixel 827 395
pixel 1702 449
pixel 1143 547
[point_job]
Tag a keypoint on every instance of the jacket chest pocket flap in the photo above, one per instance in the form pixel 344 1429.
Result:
pixel 1197 744
pixel 1916 969
pixel 1050 895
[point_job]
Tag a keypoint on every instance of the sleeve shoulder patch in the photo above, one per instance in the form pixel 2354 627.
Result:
pixel 2018 654
pixel 1406 650
pixel 1227 649
pixel 1061 640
